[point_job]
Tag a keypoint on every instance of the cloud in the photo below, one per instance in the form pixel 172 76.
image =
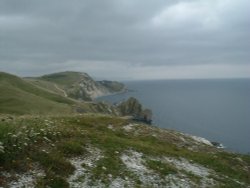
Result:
pixel 110 38
pixel 189 14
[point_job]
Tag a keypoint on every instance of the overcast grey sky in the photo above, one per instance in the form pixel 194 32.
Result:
pixel 126 39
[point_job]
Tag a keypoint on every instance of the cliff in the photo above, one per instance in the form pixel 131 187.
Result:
pixel 78 85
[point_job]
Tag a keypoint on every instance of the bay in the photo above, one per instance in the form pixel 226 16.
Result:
pixel 216 109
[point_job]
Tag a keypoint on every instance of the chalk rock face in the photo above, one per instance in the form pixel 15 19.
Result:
pixel 81 86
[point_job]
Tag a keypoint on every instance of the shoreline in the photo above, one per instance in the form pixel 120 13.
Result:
pixel 111 94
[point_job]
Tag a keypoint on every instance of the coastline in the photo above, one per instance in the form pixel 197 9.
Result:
pixel 111 94
pixel 216 110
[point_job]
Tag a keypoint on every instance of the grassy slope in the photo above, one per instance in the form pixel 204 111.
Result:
pixel 19 96
pixel 63 78
pixel 46 85
pixel 26 96
pixel 52 141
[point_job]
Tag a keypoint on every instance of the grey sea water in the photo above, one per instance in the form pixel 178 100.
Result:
pixel 218 110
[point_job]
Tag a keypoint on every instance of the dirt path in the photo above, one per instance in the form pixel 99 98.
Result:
pixel 65 94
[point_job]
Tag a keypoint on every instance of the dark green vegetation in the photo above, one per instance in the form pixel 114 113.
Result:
pixel 52 141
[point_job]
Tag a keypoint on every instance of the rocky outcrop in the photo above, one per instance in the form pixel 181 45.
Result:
pixel 132 107
pixel 113 86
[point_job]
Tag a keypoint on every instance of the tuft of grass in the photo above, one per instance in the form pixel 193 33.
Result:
pixel 58 182
pixel 71 147
pixel 109 165
pixel 55 163
pixel 52 181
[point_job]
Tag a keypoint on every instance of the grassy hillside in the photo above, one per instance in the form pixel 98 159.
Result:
pixel 103 151
pixel 31 96
pixel 64 78
pixel 19 96
pixel 46 85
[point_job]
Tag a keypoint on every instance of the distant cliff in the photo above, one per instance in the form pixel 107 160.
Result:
pixel 79 85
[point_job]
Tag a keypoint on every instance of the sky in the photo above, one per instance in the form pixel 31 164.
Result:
pixel 126 39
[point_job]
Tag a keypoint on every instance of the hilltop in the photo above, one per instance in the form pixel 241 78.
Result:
pixel 77 85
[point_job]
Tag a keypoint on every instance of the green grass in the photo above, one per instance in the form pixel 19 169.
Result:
pixel 109 165
pixel 51 141
pixel 45 85
pixel 71 147
pixel 63 78
pixel 20 97
pixel 52 181
pixel 54 163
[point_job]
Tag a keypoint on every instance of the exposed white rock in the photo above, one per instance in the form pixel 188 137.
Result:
pixel 27 179
pixel 81 176
pixel 111 127
pixel 119 183
pixel 129 127
pixel 1 147
pixel 175 181
pixel 196 169
pixel 184 164
pixel 201 140
pixel 133 161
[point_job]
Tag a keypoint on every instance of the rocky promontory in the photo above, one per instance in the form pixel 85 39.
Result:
pixel 79 85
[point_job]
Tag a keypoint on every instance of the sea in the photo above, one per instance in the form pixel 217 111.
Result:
pixel 215 109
